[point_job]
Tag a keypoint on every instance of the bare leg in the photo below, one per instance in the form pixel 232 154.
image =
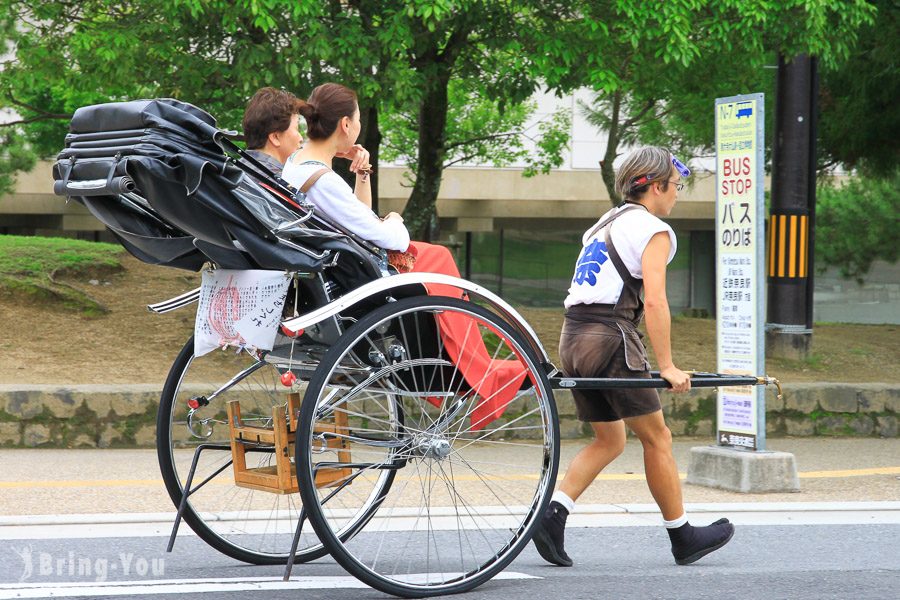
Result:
pixel 659 464
pixel 608 443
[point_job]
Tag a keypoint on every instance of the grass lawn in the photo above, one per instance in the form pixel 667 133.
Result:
pixel 31 269
pixel 87 303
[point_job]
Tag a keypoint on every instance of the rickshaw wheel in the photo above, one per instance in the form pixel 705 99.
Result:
pixel 246 524
pixel 469 488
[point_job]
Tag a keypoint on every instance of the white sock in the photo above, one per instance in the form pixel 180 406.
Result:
pixel 675 524
pixel 563 499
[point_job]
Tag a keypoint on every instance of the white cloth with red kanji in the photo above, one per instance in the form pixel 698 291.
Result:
pixel 239 308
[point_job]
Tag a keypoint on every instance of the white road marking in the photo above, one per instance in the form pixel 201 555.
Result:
pixel 38 527
pixel 742 513
pixel 190 586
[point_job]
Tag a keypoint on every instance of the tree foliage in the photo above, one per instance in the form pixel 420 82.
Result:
pixel 485 130
pixel 213 53
pixel 480 45
pixel 657 67
pixel 859 125
pixel 399 55
pixel 447 78
pixel 857 224
pixel 66 55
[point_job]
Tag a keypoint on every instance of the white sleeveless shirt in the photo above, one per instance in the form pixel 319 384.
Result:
pixel 335 198
pixel 596 280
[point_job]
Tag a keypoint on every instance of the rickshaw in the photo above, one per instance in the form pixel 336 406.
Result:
pixel 359 432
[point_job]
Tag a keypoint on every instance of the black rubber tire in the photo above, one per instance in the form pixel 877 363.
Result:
pixel 546 452
pixel 192 516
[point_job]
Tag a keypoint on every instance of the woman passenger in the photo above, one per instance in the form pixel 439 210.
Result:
pixel 333 126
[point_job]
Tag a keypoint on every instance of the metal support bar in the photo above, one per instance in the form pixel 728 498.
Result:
pixel 699 380
pixel 289 565
pixel 238 378
pixel 396 465
pixel 187 491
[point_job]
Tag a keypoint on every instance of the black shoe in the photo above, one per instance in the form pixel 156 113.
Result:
pixel 690 544
pixel 549 537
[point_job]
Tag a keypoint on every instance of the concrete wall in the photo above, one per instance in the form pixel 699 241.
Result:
pixel 89 416
pixel 471 199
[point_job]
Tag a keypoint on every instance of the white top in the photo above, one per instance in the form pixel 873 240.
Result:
pixel 596 280
pixel 331 195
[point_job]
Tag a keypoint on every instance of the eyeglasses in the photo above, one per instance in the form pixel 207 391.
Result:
pixel 678 186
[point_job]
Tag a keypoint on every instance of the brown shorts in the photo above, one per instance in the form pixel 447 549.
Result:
pixel 598 350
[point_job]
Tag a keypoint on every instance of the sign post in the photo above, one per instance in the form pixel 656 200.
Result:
pixel 740 461
pixel 740 274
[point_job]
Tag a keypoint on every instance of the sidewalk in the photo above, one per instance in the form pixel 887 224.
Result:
pixel 85 482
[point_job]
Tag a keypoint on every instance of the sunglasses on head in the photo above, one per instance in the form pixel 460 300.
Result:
pixel 679 166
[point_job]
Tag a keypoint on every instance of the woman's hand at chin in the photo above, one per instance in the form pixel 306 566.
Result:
pixel 358 157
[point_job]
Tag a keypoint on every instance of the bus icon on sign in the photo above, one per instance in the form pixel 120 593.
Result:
pixel 744 109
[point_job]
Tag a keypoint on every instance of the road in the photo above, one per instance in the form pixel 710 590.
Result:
pixel 90 524
pixel 771 561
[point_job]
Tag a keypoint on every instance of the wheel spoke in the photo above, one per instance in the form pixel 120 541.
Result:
pixel 464 502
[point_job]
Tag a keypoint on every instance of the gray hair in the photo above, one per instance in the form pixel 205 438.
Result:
pixel 653 162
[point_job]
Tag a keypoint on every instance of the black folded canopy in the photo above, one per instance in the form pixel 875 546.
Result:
pixel 156 174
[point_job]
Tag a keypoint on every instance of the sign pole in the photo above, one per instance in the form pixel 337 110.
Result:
pixel 740 278
pixel 739 461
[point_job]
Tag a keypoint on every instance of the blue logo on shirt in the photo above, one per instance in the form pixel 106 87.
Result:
pixel 589 263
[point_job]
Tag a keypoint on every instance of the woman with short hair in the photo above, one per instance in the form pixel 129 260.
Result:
pixel 271 127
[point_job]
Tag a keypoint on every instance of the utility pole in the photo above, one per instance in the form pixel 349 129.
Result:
pixel 792 217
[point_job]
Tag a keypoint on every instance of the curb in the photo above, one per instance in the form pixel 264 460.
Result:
pixel 582 511
pixel 124 416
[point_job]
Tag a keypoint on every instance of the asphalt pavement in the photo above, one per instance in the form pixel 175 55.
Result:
pixel 92 523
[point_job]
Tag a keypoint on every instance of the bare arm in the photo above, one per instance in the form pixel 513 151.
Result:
pixel 363 190
pixel 359 164
pixel 656 310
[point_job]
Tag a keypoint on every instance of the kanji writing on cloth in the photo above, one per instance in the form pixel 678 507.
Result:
pixel 239 308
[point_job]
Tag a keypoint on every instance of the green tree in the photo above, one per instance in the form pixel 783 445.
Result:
pixel 401 56
pixel 859 128
pixel 857 223
pixel 655 68
pixel 482 52
pixel 859 124
pixel 398 55
pixel 484 130
pixel 213 53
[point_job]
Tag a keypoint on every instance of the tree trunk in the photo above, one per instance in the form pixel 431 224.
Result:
pixel 370 138
pixel 420 214
pixel 612 149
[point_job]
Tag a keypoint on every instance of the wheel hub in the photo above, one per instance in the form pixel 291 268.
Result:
pixel 434 447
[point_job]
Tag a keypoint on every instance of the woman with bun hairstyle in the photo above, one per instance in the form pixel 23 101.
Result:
pixel 333 126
